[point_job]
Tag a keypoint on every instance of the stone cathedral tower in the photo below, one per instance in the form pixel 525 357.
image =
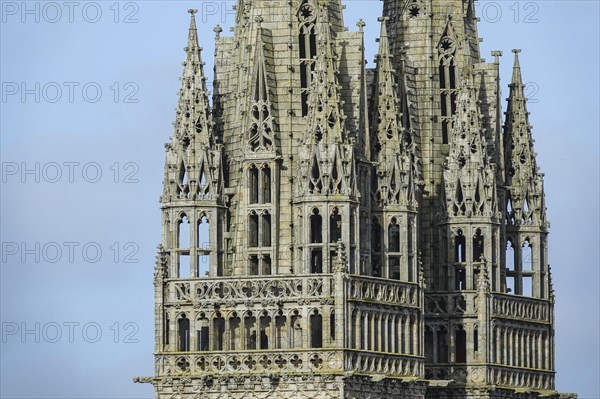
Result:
pixel 333 231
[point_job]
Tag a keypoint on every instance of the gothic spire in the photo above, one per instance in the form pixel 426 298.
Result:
pixel 394 165
pixel 193 122
pixel 520 157
pixel 193 169
pixel 325 118
pixel 260 119
pixel 526 189
pixel 469 183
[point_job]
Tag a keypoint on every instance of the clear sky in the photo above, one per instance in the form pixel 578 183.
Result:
pixel 88 97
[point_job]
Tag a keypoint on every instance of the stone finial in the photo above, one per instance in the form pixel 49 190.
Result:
pixel 497 54
pixel 361 24
pixel 193 11
pixel 422 281
pixel 341 261
pixel 217 29
pixel 516 50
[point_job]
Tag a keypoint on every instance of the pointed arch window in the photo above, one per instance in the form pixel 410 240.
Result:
pixel 460 252
pixel 335 226
pixel 307 41
pixel 394 236
pixel 184 333
pixel 376 240
pixel 478 245
pixel 460 345
pixel 316 227
pixel 183 245
pixel 448 91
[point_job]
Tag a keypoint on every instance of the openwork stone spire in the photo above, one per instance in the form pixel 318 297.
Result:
pixel 325 119
pixel 193 113
pixel 395 167
pixel 469 182
pixel 526 186
pixel 193 166
pixel 260 119
pixel 327 155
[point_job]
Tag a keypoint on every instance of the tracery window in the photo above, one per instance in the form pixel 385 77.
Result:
pixel 307 49
pixel 448 91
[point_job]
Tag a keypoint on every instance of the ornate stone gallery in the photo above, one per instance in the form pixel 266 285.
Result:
pixel 335 231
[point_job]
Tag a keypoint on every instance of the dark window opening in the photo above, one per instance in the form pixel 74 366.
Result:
pixel 332 326
pixel 316 261
pixel 316 331
pixel 316 227
pixel 166 332
pixel 428 346
pixel 460 252
pixel 266 185
pixel 461 346
pixel 335 226
pixel 219 331
pixel 478 245
pixel 442 346
pixel 394 236
pixel 184 334
pixel 253 182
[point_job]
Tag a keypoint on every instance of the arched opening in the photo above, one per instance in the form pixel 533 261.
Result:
pixel 167 330
pixel 461 345
pixel 204 247
pixel 442 345
pixel 335 226
pixel 307 50
pixel 448 92
pixel 376 239
pixel 280 331
pixel 253 184
pixel 393 236
pixel 202 334
pixel 234 332
pixel 510 266
pixel 460 251
pixel 316 330
pixel 265 326
pixel 478 245
pixel 184 333
pixel 219 331
pixel 183 243
pixel 250 331
pixel 527 267
pixel 266 185
pixel 296 331
pixel 428 345
pixel 316 227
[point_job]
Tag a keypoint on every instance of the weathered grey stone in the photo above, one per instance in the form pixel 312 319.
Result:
pixel 354 222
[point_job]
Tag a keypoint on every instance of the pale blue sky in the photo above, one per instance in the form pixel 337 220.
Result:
pixel 560 58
